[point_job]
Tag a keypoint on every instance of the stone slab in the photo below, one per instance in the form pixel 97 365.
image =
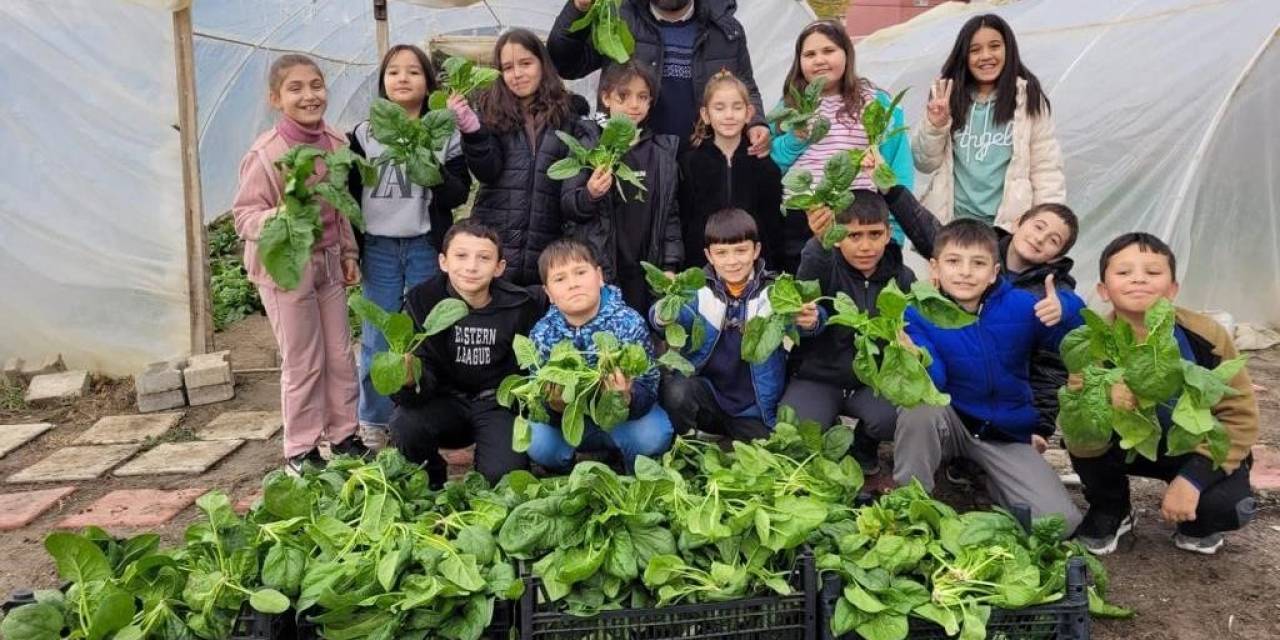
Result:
pixel 163 401
pixel 159 377
pixel 1265 474
pixel 242 425
pixel 207 370
pixel 132 508
pixel 208 395
pixel 13 436
pixel 57 388
pixel 19 509
pixel 245 503
pixel 132 428
pixel 179 458
pixel 49 364
pixel 75 463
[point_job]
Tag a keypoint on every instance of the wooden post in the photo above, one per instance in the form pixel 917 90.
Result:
pixel 201 309
pixel 380 23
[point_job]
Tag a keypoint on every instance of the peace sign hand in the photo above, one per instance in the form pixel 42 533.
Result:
pixel 1049 310
pixel 939 107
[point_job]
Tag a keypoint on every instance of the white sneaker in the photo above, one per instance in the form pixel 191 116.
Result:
pixel 1208 545
pixel 375 438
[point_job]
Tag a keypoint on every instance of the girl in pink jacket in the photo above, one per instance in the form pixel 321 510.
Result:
pixel 318 387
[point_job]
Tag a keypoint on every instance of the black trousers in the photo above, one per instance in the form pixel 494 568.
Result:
pixel 453 423
pixel 1225 505
pixel 692 405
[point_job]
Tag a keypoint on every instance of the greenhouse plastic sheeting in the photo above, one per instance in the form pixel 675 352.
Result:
pixel 92 244
pixel 1166 111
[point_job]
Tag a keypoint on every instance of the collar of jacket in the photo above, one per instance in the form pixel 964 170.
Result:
pixel 759 278
pixel 887 268
pixel 1034 276
pixel 716 12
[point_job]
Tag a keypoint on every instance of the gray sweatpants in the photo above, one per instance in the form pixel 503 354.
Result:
pixel 1016 474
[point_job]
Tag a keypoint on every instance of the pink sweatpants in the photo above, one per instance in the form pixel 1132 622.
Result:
pixel 318 387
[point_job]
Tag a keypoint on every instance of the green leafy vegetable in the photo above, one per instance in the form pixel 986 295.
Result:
pixel 579 381
pixel 390 369
pixel 284 246
pixel 461 77
pixel 416 144
pixel 876 120
pixel 610 34
pixel 673 294
pixel 1104 354
pixel 763 334
pixel 833 191
pixel 804 114
pixel 895 371
pixel 616 139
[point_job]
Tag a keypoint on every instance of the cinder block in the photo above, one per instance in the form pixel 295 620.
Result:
pixel 207 370
pixel 159 377
pixel 57 388
pixel 210 394
pixel 50 364
pixel 148 402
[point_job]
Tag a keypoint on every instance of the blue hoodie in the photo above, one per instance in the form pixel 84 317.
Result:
pixel 985 367
pixel 614 317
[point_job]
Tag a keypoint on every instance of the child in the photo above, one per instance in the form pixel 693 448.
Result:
pixel 455 404
pixel 1036 249
pixel 645 225
pixel 823 50
pixel 983 366
pixel 405 222
pixel 318 386
pixel 987 140
pixel 718 172
pixel 1137 269
pixel 727 396
pixel 584 305
pixel 510 146
pixel 823 385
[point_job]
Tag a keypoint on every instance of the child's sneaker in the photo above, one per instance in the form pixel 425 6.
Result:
pixel 294 466
pixel 351 446
pixel 1208 545
pixel 1100 532
pixel 375 438
pixel 962 472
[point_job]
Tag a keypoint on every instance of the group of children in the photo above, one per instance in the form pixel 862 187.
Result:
pixel 560 260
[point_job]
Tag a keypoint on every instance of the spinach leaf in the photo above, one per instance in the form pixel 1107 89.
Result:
pixel 461 77
pixel 391 369
pixel 610 34
pixel 616 139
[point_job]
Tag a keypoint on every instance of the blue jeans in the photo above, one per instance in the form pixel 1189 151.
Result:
pixel 649 435
pixel 389 267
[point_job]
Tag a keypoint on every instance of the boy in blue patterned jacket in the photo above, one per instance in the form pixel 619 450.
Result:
pixel 726 395
pixel 583 306
pixel 985 367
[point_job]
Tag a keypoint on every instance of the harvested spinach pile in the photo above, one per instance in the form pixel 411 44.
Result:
pixel 610 34
pixel 461 77
pixel 897 372
pixel 909 555
pixel 284 246
pixel 616 139
pixel 413 143
pixel 803 114
pixel 1104 354
pixel 390 369
pixel 578 378
pixel 673 295
pixel 763 334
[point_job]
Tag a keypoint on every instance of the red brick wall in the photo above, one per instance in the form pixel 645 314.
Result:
pixel 865 16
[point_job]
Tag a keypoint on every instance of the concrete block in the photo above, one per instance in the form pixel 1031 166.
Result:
pixel 242 425
pixel 158 378
pixel 18 510
pixel 50 364
pixel 13 436
pixel 208 395
pixel 57 388
pixel 207 370
pixel 75 463
pixel 133 508
pixel 122 429
pixel 161 401
pixel 179 457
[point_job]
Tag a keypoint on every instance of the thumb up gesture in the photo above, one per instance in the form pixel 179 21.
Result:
pixel 1049 310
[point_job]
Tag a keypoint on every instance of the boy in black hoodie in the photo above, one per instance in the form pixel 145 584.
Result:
pixel 455 403
pixel 823 385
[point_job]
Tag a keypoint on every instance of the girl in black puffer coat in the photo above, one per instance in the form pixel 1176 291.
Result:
pixel 510 145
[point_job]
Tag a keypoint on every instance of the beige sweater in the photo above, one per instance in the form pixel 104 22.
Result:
pixel 1034 175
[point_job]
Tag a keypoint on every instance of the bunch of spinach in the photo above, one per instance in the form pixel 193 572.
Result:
pixel 910 556
pixel 616 139
pixel 803 115
pixel 1104 354
pixel 416 144
pixel 673 294
pixel 390 369
pixel 284 246
pixel 832 192
pixel 578 378
pixel 610 34
pixel 876 119
pixel 895 371
pixel 461 77
pixel 764 333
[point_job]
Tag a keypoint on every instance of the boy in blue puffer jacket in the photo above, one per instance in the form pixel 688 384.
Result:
pixel 726 395
pixel 985 368
pixel 584 306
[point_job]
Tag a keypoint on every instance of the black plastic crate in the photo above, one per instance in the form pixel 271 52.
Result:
pixel 771 617
pixel 1066 619
pixel 500 628
pixel 255 625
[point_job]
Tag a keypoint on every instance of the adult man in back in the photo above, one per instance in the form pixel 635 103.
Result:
pixel 686 41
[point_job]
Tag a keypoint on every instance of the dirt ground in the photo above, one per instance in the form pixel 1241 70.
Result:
pixel 1177 596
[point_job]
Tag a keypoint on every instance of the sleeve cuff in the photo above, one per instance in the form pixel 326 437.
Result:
pixel 1199 471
